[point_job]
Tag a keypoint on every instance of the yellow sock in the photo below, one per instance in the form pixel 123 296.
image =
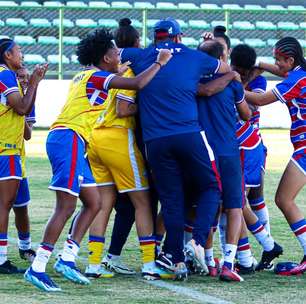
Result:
pixel 147 246
pixel 95 249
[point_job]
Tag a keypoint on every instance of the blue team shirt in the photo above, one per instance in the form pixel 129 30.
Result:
pixel 168 103
pixel 32 116
pixel 217 115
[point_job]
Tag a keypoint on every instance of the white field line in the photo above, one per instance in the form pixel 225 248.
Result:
pixel 180 290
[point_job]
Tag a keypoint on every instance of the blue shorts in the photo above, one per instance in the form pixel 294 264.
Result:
pixel 299 159
pixel 231 180
pixel 23 194
pixel 10 167
pixel 70 167
pixel 253 162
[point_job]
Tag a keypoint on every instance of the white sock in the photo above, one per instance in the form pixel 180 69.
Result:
pixel 244 253
pixel 70 251
pixel 262 236
pixel 209 257
pixel 43 255
pixel 229 255
pixel 24 241
pixel 3 248
pixel 261 211
pixel 222 231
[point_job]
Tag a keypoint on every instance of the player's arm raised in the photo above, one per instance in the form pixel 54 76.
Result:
pixel 271 68
pixel 141 80
pixel 260 99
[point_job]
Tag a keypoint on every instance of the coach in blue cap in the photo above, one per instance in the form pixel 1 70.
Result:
pixel 175 141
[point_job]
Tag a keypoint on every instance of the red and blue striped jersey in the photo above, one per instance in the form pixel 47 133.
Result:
pixel 292 91
pixel 247 135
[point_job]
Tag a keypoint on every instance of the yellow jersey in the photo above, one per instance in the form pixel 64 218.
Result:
pixel 108 117
pixel 11 123
pixel 86 98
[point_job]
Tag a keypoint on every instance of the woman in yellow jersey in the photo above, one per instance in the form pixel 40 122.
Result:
pixel 117 165
pixel 13 107
pixel 66 148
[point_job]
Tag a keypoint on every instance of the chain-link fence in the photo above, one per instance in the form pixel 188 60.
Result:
pixel 52 33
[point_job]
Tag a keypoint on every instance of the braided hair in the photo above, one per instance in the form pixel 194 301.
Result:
pixel 6 44
pixel 290 47
pixel 126 35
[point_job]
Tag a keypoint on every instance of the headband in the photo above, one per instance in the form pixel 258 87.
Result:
pixel 277 51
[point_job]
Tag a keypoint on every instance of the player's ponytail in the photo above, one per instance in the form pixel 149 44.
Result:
pixel 6 44
pixel 219 32
pixel 290 47
pixel 126 35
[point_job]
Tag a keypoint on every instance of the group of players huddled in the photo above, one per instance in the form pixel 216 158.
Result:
pixel 141 126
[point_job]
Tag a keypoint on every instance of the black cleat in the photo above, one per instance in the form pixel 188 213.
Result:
pixel 164 261
pixel 240 269
pixel 8 268
pixel 27 255
pixel 268 256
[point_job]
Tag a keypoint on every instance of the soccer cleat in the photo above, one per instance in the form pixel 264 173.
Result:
pixel 190 267
pixel 115 264
pixel 268 256
pixel 229 275
pixel 41 280
pixel 27 255
pixel 299 269
pixel 164 261
pixel 70 272
pixel 244 270
pixel 213 271
pixel 284 268
pixel 196 254
pixel 180 271
pixel 8 268
pixel 98 271
pixel 151 272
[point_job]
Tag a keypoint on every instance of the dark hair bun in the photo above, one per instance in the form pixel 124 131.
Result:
pixel 220 29
pixel 125 22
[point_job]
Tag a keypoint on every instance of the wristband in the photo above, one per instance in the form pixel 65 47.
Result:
pixel 160 65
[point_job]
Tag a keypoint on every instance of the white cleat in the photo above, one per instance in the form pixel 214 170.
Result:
pixel 115 264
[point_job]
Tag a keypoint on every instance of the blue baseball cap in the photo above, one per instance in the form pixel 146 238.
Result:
pixel 168 26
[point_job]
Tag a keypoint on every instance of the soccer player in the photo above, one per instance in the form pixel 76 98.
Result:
pixel 290 60
pixel 218 117
pixel 14 105
pixel 174 141
pixel 22 201
pixel 66 149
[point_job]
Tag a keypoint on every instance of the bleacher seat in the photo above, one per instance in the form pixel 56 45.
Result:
pixel 266 59
pixel 182 23
pixel 52 3
pixel 40 22
pixel 255 42
pixel 218 22
pixel 199 24
pixel 8 3
pixel 136 23
pixel 165 5
pixel 303 43
pixel 110 23
pixel 121 4
pixel 265 25
pixel 85 23
pixel 76 4
pixel 71 40
pixel 24 40
pixel 187 6
pixel 272 7
pixel 232 6
pixel 210 6
pixel 66 23
pixel 152 22
pixel 47 40
pixel 271 42
pixel 16 22
pixel 74 59
pixel 30 3
pixel 303 25
pixel 143 5
pixel 296 8
pixel 2 23
pixel 98 4
pixel 54 59
pixel 33 59
pixel 235 41
pixel 287 26
pixel 243 25
pixel 253 7
pixel 190 41
pixel 4 37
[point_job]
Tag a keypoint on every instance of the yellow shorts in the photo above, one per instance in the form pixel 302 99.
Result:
pixel 116 160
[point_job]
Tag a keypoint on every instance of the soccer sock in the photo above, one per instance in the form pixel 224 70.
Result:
pixel 24 241
pixel 70 252
pixel 147 246
pixel 95 249
pixel 299 229
pixel 244 254
pixel 222 231
pixel 3 248
pixel 209 257
pixel 158 241
pixel 43 254
pixel 261 210
pixel 262 236
pixel 188 227
pixel 229 255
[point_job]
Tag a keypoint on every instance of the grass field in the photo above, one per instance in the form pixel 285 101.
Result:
pixel 260 288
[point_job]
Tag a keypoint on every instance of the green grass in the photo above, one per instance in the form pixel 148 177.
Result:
pixel 261 288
